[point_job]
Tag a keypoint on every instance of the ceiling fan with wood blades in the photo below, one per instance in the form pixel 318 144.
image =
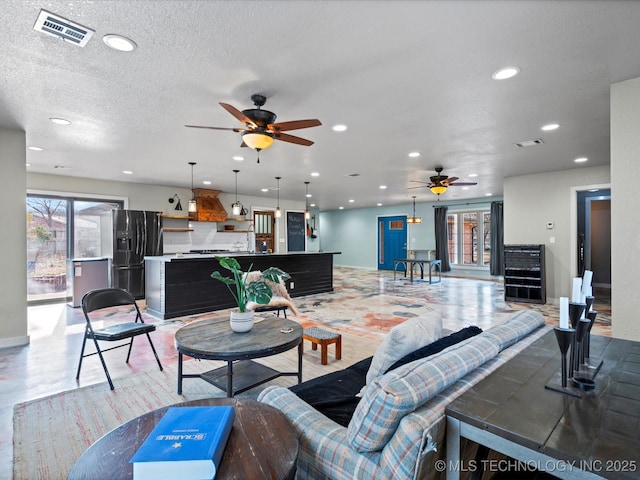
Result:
pixel 260 127
pixel 439 183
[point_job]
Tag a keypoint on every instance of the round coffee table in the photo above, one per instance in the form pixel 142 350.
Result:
pixel 262 445
pixel 214 340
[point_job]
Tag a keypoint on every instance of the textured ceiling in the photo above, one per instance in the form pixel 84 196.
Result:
pixel 404 76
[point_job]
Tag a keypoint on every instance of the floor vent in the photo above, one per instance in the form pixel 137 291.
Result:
pixel 529 143
pixel 57 26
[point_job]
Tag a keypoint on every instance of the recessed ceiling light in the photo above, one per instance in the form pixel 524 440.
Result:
pixel 340 208
pixel 465 188
pixel 264 189
pixel 315 174
pixel 488 194
pixel 308 195
pixel 120 43
pixel 472 175
pixel 339 128
pixel 351 200
pixel 550 126
pixel 206 182
pixel 238 158
pixel 27 164
pixel 60 121
pixel 379 204
pixel 35 149
pixel 505 73
pixel 414 154
pixel 382 187
pixel 127 172
pixel 581 160
pixel 312 204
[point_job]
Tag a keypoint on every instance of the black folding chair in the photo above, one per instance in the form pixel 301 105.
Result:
pixel 107 298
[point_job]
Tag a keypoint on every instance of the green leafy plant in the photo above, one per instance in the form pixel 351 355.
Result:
pixel 256 291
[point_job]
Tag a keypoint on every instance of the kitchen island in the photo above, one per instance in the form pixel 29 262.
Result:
pixel 182 285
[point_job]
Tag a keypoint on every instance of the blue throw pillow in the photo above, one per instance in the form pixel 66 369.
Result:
pixel 436 346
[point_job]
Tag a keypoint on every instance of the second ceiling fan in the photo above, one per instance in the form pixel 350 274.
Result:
pixel 439 183
pixel 260 127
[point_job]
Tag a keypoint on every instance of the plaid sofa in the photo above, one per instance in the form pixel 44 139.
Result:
pixel 397 430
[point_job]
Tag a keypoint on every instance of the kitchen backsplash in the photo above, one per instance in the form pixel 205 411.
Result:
pixel 205 236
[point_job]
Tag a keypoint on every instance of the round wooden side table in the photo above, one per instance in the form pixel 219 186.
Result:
pixel 262 445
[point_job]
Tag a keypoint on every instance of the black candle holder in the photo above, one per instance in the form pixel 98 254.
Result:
pixel 591 365
pixel 588 300
pixel 581 330
pixel 564 336
pixel 558 383
pixel 575 312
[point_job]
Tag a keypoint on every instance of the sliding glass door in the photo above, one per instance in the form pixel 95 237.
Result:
pixel 58 229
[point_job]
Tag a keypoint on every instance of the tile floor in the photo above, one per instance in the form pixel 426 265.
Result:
pixel 364 302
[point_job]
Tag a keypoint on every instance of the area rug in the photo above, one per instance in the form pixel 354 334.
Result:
pixel 51 433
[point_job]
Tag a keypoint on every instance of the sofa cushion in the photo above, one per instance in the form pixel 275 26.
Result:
pixel 515 328
pixel 334 394
pixel 390 397
pixel 403 339
pixel 437 346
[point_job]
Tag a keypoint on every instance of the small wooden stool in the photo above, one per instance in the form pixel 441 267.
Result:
pixel 318 336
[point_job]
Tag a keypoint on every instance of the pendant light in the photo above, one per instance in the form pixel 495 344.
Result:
pixel 307 214
pixel 236 207
pixel 414 219
pixel 278 211
pixel 193 207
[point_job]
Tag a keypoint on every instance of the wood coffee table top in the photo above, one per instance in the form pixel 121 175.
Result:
pixel 214 339
pixel 262 445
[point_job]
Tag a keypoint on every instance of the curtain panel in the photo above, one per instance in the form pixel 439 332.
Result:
pixel 497 239
pixel 442 238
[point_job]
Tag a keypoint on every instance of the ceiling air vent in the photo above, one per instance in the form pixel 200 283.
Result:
pixel 68 31
pixel 529 143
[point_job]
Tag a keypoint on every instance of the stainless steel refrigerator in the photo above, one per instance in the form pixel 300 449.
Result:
pixel 127 237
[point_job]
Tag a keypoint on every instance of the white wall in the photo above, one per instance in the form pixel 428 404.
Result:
pixel 13 281
pixel 531 201
pixel 625 227
pixel 354 232
pixel 156 198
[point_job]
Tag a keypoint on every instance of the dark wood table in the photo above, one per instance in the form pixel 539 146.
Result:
pixel 214 340
pixel 262 445
pixel 510 411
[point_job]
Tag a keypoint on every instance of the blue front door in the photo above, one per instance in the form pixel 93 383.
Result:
pixel 392 240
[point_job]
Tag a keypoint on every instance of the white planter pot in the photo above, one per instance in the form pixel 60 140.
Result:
pixel 241 322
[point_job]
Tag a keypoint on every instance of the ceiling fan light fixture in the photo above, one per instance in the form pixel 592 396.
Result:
pixel 257 140
pixel 438 189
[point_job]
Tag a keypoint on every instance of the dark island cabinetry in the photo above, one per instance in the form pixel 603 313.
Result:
pixel 524 275
pixel 183 286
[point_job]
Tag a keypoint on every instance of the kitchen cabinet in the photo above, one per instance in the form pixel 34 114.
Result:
pixel 209 207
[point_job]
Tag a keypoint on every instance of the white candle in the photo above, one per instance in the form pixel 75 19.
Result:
pixel 564 312
pixel 575 293
pixel 586 280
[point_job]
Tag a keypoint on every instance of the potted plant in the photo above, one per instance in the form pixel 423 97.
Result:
pixel 243 290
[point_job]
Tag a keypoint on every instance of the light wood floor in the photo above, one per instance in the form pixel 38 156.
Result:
pixel 48 364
